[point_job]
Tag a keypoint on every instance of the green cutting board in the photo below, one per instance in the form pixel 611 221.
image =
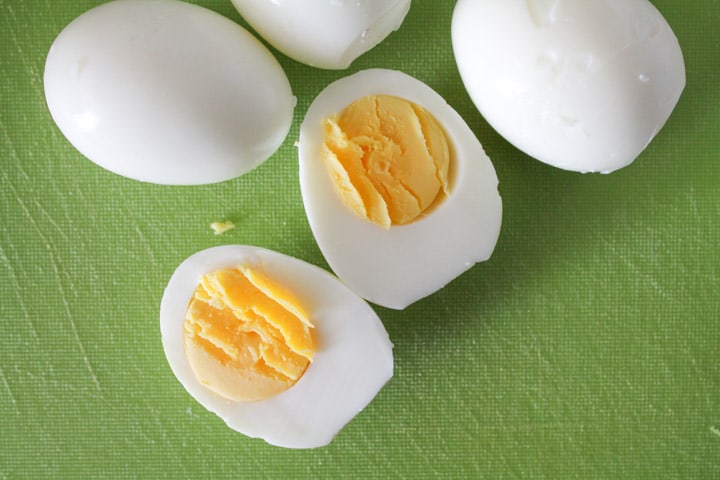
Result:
pixel 588 347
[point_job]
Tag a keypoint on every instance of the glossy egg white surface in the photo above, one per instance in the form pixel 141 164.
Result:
pixel 580 85
pixel 326 34
pixel 397 266
pixel 167 92
pixel 352 362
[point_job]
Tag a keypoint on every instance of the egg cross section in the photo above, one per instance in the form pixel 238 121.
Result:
pixel 247 337
pixel 389 159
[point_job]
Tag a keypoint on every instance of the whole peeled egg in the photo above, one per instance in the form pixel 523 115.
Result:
pixel 398 191
pixel 276 347
pixel 580 85
pixel 326 34
pixel 167 92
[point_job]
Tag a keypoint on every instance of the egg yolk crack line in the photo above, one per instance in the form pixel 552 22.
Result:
pixel 246 337
pixel 389 159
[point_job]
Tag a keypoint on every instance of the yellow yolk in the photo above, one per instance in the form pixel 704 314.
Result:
pixel 389 159
pixel 246 337
pixel 221 227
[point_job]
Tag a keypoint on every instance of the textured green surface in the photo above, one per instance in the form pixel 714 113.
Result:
pixel 588 347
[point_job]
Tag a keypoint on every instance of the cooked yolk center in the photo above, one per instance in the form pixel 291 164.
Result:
pixel 389 159
pixel 246 337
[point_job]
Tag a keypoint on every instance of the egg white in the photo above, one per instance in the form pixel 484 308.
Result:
pixel 580 85
pixel 400 265
pixel 352 362
pixel 326 34
pixel 167 92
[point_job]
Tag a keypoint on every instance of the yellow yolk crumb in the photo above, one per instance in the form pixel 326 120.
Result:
pixel 389 159
pixel 246 337
pixel 221 227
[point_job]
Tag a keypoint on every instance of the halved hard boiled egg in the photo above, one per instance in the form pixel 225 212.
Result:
pixel 324 33
pixel 398 191
pixel 167 92
pixel 580 85
pixel 276 347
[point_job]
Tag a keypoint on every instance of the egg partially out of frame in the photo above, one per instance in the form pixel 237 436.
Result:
pixel 276 347
pixel 398 191
pixel 326 34
pixel 580 85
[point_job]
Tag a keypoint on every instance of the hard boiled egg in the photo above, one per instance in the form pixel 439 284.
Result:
pixel 398 191
pixel 276 347
pixel 167 92
pixel 581 85
pixel 324 33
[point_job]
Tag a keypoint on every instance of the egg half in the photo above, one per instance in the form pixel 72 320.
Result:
pixel 220 316
pixel 167 92
pixel 434 191
pixel 580 85
pixel 326 34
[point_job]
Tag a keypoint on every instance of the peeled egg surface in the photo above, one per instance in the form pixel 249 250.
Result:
pixel 352 361
pixel 399 265
pixel 580 85
pixel 326 34
pixel 167 92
